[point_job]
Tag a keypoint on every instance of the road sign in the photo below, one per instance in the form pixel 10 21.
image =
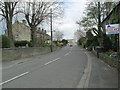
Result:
pixel 112 29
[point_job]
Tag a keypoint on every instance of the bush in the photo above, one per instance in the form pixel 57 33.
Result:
pixel 107 44
pixel 88 43
pixel 6 42
pixel 119 54
pixel 84 44
pixel 80 41
pixel 95 41
pixel 22 43
pixel 65 42
pixel 46 45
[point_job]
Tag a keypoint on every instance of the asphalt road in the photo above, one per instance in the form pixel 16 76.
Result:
pixel 70 67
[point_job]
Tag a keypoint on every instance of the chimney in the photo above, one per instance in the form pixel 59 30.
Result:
pixel 24 22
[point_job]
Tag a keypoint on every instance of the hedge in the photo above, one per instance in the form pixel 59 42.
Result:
pixel 6 42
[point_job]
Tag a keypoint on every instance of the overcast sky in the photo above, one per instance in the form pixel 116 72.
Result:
pixel 73 12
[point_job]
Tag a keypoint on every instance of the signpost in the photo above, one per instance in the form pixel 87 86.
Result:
pixel 114 29
pixel 119 38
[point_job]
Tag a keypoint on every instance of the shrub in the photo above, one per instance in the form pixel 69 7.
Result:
pixel 22 43
pixel 65 42
pixel 79 42
pixel 84 44
pixel 6 42
pixel 119 54
pixel 95 41
pixel 46 45
pixel 107 44
pixel 88 43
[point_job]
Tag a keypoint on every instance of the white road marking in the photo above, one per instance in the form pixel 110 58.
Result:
pixel 67 53
pixel 51 61
pixel 14 78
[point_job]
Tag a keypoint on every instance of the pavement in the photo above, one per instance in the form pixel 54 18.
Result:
pixel 70 67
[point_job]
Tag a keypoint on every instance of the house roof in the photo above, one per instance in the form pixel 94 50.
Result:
pixel 111 12
pixel 21 23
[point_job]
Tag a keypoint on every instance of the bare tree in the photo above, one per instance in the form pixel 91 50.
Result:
pixel 7 12
pixel 58 35
pixel 37 12
pixel 79 34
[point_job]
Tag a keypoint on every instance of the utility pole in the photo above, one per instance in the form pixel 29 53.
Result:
pixel 51 30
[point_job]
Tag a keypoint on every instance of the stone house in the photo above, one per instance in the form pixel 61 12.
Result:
pixel 42 37
pixel 21 31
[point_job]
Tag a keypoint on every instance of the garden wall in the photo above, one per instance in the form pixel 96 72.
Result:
pixel 113 62
pixel 9 54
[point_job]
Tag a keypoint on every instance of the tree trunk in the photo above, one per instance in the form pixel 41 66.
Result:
pixel 33 36
pixel 9 32
pixel 99 24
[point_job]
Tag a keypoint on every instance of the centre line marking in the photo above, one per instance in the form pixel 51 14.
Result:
pixel 66 54
pixel 51 61
pixel 14 78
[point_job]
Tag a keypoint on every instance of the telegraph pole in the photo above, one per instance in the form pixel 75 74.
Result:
pixel 51 30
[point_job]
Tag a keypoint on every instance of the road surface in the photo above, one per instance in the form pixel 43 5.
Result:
pixel 70 67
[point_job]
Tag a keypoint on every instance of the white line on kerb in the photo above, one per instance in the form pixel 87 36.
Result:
pixel 51 61
pixel 84 82
pixel 14 78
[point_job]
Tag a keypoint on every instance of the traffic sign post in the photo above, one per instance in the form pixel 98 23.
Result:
pixel 112 29
pixel 119 38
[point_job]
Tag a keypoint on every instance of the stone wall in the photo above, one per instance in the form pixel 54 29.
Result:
pixel 9 54
pixel 113 62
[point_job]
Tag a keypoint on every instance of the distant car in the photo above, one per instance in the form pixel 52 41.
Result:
pixel 71 45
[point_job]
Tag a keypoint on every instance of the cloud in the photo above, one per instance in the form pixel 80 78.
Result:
pixel 73 11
